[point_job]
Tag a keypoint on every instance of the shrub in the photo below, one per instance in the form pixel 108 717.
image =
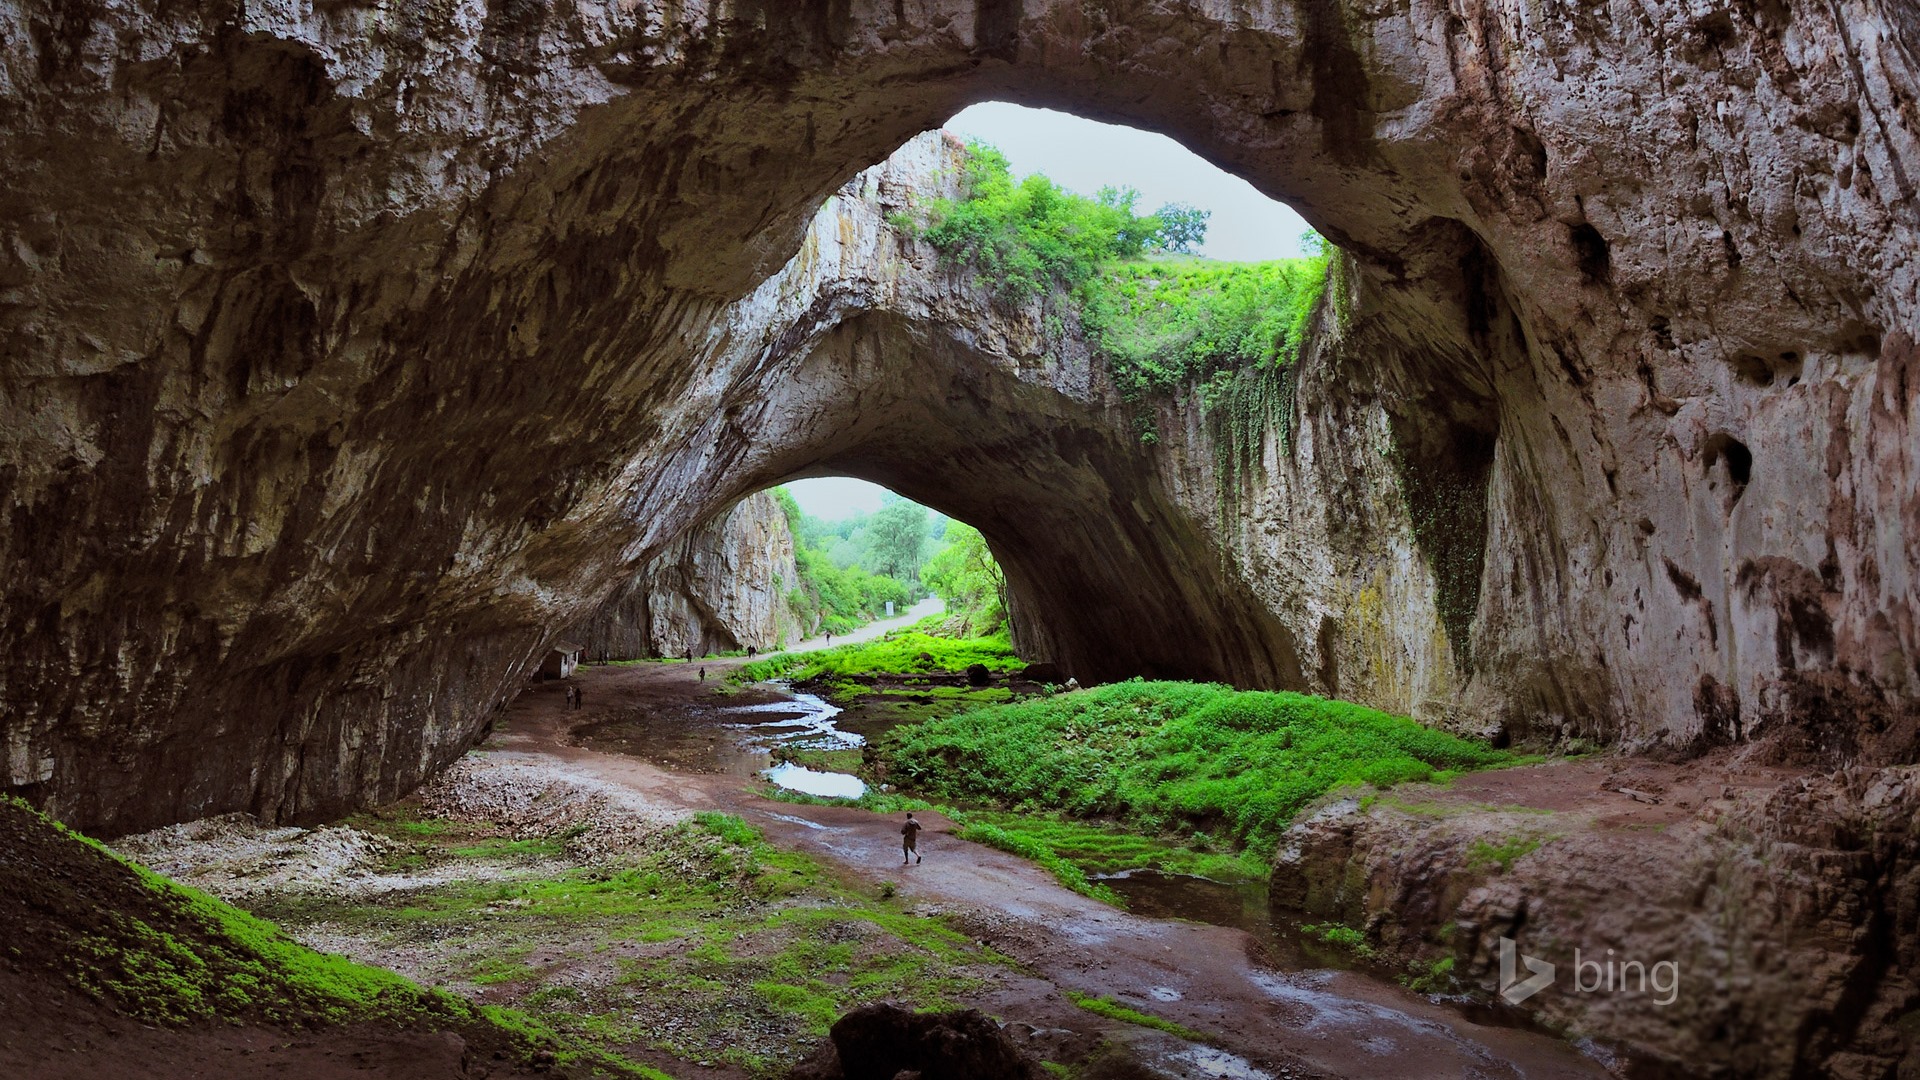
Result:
pixel 1237 764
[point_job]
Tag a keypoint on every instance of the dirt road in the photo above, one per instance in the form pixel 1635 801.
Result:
pixel 932 605
pixel 1281 1023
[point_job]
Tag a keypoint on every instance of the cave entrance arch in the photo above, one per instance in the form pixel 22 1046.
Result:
pixel 891 367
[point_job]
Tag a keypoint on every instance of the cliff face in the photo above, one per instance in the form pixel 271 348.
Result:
pixel 721 587
pixel 352 353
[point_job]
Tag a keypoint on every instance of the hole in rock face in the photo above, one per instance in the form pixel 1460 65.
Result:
pixel 1087 156
pixel 1722 446
pixel 1754 369
pixel 1590 252
pixel 1106 572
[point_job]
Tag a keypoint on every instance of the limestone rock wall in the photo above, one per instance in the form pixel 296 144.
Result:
pixel 1785 908
pixel 721 587
pixel 350 353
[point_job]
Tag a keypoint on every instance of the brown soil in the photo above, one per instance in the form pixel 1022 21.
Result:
pixel 1210 978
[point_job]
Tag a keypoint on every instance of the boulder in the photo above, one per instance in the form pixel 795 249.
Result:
pixel 882 1041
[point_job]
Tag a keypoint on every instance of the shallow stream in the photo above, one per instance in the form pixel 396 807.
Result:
pixel 741 740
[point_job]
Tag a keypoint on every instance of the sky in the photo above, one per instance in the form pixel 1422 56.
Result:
pixel 1085 156
pixel 836 498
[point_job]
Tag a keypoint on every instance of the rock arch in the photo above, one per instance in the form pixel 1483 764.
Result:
pixel 349 349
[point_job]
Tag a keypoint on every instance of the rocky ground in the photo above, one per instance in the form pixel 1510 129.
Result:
pixel 1784 902
pixel 513 890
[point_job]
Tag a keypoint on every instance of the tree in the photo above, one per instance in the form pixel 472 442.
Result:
pixel 896 540
pixel 1182 228
pixel 965 575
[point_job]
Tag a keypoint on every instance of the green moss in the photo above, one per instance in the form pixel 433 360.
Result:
pixel 1489 854
pixel 499 848
pixel 1113 1010
pixel 1344 938
pixel 730 933
pixel 1029 847
pixel 1152 755
pixel 900 652
pixel 1435 978
pixel 167 954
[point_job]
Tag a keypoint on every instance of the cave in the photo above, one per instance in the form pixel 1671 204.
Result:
pixel 354 356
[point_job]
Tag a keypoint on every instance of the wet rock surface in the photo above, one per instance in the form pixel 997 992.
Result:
pixel 1783 902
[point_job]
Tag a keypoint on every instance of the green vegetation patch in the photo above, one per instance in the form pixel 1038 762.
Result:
pixel 1163 324
pixel 1103 848
pixel 900 652
pixel 1434 978
pixel 1488 854
pixel 170 955
pixel 1151 755
pixel 1167 323
pixel 709 945
pixel 1113 1010
pixel 1342 937
pixel 1037 850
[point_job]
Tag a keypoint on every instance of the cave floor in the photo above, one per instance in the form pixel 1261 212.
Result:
pixel 534 809
pixel 1212 979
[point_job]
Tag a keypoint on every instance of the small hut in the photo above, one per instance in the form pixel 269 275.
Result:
pixel 561 660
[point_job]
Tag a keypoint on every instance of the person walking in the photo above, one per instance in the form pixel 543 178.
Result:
pixel 910 841
pixel 576 697
pixel 703 673
pixel 569 693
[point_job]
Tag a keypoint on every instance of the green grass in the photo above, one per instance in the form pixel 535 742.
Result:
pixel 167 954
pixel 1342 937
pixel 1154 756
pixel 1113 1010
pixel 900 652
pixel 501 848
pixel 1488 854
pixel 1036 850
pixel 1168 323
pixel 1435 978
pixel 1102 848
pixel 710 925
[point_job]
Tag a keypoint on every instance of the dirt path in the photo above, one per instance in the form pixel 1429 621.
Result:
pixel 932 605
pixel 1288 1023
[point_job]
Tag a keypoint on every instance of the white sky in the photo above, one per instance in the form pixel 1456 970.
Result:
pixel 1085 156
pixel 835 498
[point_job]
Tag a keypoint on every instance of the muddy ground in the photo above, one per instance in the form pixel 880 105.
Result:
pixel 455 889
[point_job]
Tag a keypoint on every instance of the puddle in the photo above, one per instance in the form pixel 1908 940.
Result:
pixel 740 740
pixel 827 785
pixel 1210 1062
pixel 1239 904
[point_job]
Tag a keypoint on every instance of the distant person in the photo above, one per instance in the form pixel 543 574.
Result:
pixel 689 656
pixel 829 637
pixel 569 697
pixel 576 697
pixel 910 841
pixel 703 673
pixel 752 652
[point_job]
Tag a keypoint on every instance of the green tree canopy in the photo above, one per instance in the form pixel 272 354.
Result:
pixel 897 539
pixel 965 575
